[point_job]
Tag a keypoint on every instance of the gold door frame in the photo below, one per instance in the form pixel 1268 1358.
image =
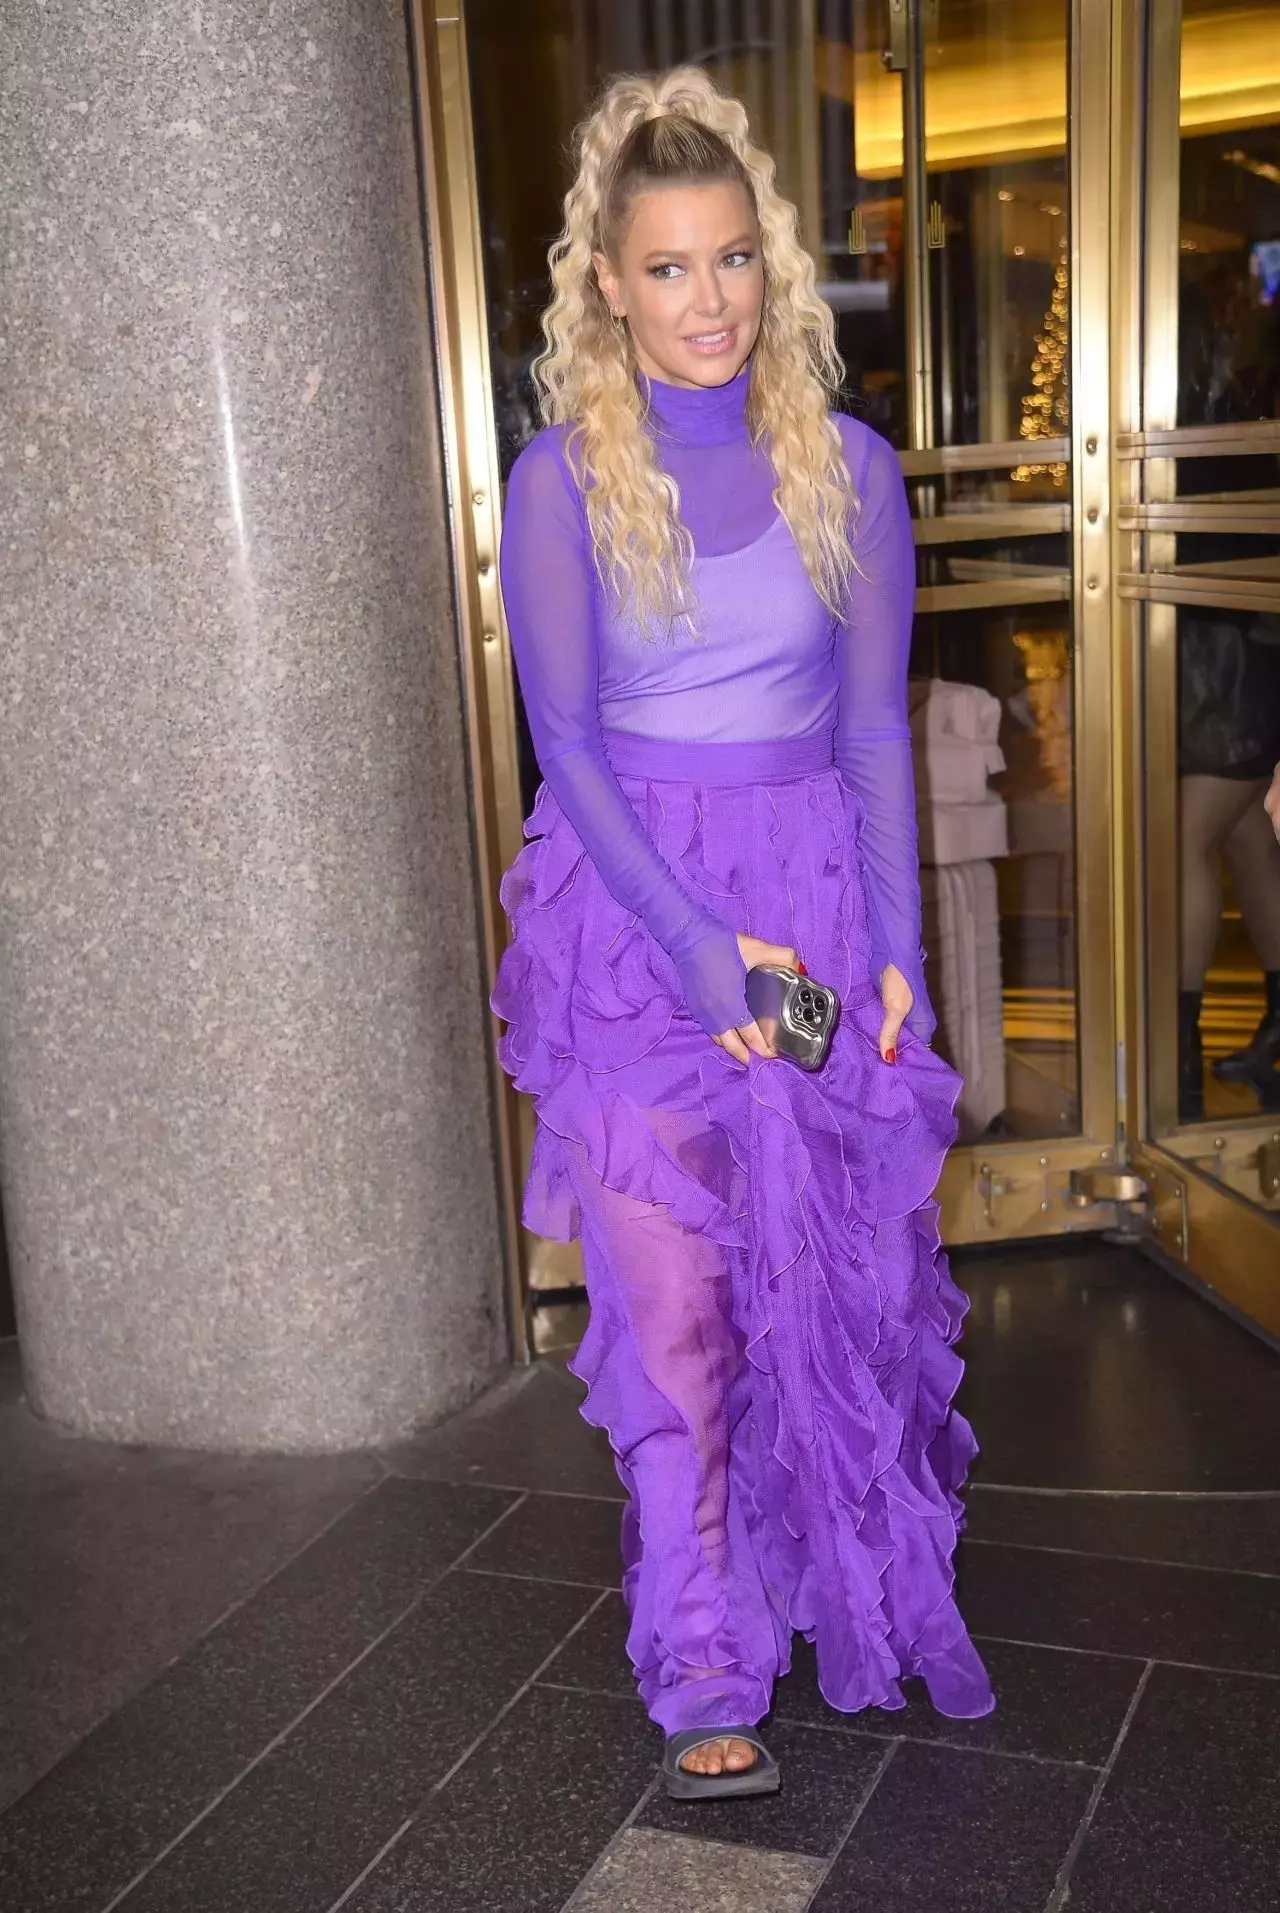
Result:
pixel 456 274
pixel 1223 1239
pixel 991 1191
pixel 988 1191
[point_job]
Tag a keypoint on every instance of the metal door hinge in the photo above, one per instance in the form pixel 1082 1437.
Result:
pixel 1167 1213
pixel 991 1187
pixel 1106 1182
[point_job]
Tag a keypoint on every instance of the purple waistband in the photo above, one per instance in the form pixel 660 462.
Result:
pixel 765 760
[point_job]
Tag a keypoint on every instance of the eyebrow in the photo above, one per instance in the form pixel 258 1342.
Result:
pixel 673 252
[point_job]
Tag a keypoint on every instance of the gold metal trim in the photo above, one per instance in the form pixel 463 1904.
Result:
pixel 997 1192
pixel 1255 517
pixel 970 527
pixel 470 451
pixel 1127 813
pixel 1055 589
pixel 1226 1242
pixel 1091 210
pixel 1180 587
pixel 810 142
pixel 915 238
pixel 995 457
pixel 1155 630
pixel 1190 441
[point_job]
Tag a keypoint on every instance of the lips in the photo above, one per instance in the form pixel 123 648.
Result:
pixel 719 341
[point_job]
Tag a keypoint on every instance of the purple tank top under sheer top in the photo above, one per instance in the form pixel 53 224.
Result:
pixel 768 661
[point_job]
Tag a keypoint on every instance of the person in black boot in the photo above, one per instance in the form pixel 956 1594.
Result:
pixel 1190 1058
pixel 1256 1062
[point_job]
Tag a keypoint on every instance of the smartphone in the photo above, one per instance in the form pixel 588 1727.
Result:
pixel 796 1015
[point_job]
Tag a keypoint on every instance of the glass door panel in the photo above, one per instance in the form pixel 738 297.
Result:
pixel 986 85
pixel 997 226
pixel 1204 582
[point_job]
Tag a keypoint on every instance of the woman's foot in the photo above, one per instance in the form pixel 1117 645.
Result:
pixel 720 1756
pixel 726 1763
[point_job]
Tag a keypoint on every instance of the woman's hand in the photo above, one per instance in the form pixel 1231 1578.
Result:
pixel 895 994
pixel 748 1036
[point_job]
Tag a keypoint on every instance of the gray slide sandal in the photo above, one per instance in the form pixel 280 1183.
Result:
pixel 763 1777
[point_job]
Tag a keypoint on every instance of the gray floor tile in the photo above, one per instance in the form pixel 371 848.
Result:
pixel 310 1817
pixel 953 1832
pixel 136 1781
pixel 559 1538
pixel 1089 1367
pixel 646 1872
pixel 113 1560
pixel 824 1776
pixel 1193 1533
pixel 1122 1607
pixel 1189 1821
pixel 520 1824
pixel 596 1657
pixel 525 1433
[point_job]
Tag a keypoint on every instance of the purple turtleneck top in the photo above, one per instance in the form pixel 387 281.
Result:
pixel 768 660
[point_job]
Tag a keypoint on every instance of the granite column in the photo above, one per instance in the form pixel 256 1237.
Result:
pixel 245 1140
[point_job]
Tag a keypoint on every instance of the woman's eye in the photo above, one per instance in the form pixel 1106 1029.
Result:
pixel 669 266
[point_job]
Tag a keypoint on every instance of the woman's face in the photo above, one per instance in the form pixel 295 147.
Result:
pixel 690 280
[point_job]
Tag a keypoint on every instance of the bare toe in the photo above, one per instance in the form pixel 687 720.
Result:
pixel 720 1756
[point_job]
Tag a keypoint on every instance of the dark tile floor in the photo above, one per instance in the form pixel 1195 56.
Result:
pixel 396 1683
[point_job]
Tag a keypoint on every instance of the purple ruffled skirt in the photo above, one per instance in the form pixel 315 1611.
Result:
pixel 771 1340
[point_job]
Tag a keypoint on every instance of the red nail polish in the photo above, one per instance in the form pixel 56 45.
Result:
pixel 891 1054
pixel 800 968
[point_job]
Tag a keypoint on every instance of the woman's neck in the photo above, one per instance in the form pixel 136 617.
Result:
pixel 698 414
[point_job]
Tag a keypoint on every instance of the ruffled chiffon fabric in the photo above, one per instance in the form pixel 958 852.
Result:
pixel 772 1324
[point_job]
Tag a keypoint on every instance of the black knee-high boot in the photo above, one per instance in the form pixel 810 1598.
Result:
pixel 1190 1058
pixel 1260 1055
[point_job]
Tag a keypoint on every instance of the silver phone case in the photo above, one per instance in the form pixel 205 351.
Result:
pixel 795 1014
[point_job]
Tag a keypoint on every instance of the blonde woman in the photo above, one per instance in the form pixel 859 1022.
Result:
pixel 708 577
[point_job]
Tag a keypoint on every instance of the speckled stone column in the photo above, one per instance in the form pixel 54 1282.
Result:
pixel 244 1129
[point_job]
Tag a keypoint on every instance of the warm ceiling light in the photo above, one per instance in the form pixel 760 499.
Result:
pixel 984 111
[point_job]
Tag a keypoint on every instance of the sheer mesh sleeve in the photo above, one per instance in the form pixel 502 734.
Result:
pixel 873 738
pixel 547 583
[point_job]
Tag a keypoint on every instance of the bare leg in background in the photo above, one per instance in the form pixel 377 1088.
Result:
pixel 1221 818
pixel 1253 857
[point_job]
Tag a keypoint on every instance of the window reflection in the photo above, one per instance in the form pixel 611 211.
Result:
pixel 1228 655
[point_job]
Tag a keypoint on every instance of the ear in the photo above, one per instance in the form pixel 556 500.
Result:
pixel 607 279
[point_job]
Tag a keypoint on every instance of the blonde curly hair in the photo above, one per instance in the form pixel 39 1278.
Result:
pixel 679 129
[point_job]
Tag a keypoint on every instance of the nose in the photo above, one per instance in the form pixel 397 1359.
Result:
pixel 708 294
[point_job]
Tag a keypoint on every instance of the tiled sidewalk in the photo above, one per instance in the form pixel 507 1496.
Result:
pixel 397 1684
